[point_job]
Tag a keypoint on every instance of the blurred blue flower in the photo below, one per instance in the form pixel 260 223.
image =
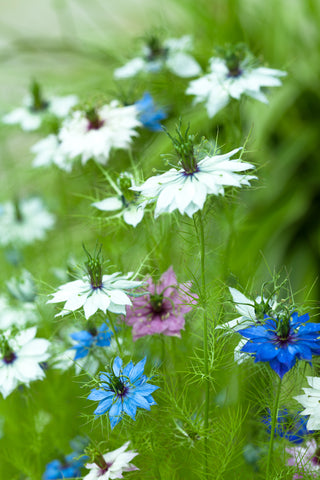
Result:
pixel 281 341
pixel 90 338
pixel 150 115
pixel 70 467
pixel 123 390
pixel 289 426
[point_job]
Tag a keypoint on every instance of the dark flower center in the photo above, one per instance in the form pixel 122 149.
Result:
pixel 156 50
pixel 95 121
pixel 9 357
pixel 283 329
pixel 316 459
pixel 156 302
pixel 93 331
pixel 117 386
pixel 38 103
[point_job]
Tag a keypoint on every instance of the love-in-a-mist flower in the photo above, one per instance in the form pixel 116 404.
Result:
pixel 95 291
pixel 231 77
pixel 24 221
pixel 162 308
pixel 149 114
pixel 17 315
pixel 48 151
pixel 289 426
pixel 91 338
pixel 21 355
pixel 35 107
pixel 281 341
pixel 123 390
pixel 68 467
pixel 22 288
pixel 171 54
pixel 186 188
pixel 112 464
pixel 311 403
pixel 93 133
pixel 126 202
pixel 306 458
pixel 252 312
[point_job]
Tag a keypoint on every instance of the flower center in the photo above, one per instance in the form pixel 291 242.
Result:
pixel 38 103
pixel 94 269
pixel 9 357
pixel 283 329
pixel 128 196
pixel 184 147
pixel 95 122
pixel 316 458
pixel 155 49
pixel 117 386
pixel 156 302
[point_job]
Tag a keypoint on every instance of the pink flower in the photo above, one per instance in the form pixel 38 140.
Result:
pixel 307 459
pixel 162 308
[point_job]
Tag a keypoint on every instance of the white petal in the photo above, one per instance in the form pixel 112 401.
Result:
pixel 133 215
pixel 183 65
pixel 109 204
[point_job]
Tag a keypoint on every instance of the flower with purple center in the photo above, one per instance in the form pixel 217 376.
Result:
pixel 123 390
pixel 69 467
pixel 88 339
pixel 111 464
pixel 162 308
pixel 306 459
pixel 281 341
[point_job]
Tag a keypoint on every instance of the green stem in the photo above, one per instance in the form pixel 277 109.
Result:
pixel 115 334
pixel 205 339
pixel 273 426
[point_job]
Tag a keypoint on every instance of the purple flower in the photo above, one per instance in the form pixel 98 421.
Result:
pixel 162 308
pixel 280 341
pixel 306 459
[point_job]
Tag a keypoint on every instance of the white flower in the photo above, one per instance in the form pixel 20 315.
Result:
pixel 172 55
pixel 112 464
pixel 113 127
pixel 16 316
pixel 20 358
pixel 110 295
pixel 311 402
pixel 24 222
pixel 49 152
pixel 30 118
pixel 187 192
pixel 126 201
pixel 248 317
pixel 217 87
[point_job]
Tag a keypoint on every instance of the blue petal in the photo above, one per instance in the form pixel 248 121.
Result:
pixel 81 352
pixel 266 352
pixel 150 400
pixel 103 406
pixel 146 389
pixel 279 368
pixel 130 408
pixel 284 356
pixel 127 369
pixel 255 332
pixel 84 336
pixel 137 371
pixel 105 377
pixel 99 395
pixel 115 412
pixel 117 364
pixel 140 401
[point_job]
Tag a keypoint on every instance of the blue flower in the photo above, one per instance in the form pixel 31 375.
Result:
pixel 289 426
pixel 70 467
pixel 149 114
pixel 280 341
pixel 123 390
pixel 89 338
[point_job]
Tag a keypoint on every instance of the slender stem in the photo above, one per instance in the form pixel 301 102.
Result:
pixel 115 334
pixel 273 427
pixel 205 338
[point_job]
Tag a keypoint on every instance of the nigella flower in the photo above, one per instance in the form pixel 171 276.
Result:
pixel 112 464
pixel 123 390
pixel 23 222
pixel 30 116
pixel 306 459
pixel 231 77
pixel 126 201
pixel 281 341
pixel 186 188
pixel 17 315
pixel 23 288
pixel 149 114
pixel 48 151
pixel 96 131
pixel 251 312
pixel 171 54
pixel 311 402
pixel 288 426
pixel 20 359
pixel 88 339
pixel 95 291
pixel 162 308
pixel 68 467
